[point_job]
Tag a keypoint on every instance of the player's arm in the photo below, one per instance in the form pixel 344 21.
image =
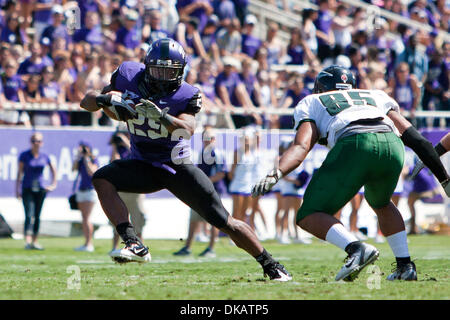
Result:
pixel 110 101
pixel 306 137
pixel 184 121
pixel 442 147
pixel 422 147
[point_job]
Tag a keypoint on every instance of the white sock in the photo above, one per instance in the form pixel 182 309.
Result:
pixel 399 244
pixel 339 236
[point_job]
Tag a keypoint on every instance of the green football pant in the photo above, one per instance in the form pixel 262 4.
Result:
pixel 372 160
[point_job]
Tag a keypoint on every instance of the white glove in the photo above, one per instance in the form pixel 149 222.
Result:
pixel 150 110
pixel 122 108
pixel 267 183
pixel 419 166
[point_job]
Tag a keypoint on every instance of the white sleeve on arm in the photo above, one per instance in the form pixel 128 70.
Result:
pixel 385 102
pixel 303 112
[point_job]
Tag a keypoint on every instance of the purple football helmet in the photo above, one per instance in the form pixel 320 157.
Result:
pixel 164 65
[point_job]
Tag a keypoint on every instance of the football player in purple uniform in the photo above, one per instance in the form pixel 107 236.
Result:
pixel 159 108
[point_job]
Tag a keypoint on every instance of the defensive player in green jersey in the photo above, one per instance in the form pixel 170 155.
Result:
pixel 364 130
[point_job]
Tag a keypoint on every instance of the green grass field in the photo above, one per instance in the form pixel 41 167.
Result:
pixel 52 274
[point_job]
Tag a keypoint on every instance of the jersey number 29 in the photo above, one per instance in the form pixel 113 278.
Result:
pixel 156 130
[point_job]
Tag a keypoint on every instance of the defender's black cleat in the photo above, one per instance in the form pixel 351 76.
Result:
pixel 405 272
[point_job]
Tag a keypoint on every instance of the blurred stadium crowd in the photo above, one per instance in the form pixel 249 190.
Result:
pixel 55 51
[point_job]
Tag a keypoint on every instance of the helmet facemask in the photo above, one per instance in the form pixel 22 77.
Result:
pixel 163 77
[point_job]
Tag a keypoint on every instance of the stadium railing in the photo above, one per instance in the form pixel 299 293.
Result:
pixel 75 107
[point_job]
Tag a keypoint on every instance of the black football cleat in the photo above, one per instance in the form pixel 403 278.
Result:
pixel 277 272
pixel 405 272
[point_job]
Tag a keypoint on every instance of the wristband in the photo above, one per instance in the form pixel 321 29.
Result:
pixel 440 149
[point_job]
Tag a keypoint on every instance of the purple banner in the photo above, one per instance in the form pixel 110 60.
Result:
pixel 61 146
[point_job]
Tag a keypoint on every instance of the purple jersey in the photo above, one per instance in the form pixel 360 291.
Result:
pixel 128 38
pixel 11 87
pixel 230 83
pixel 92 36
pixel 198 13
pixel 33 169
pixel 44 16
pixel 250 45
pixel 207 88
pixel 150 140
pixel 49 90
pixel 323 23
pixel 296 54
pixel 12 37
pixel 286 122
pixel 208 40
pixel 29 67
pixel 404 95
pixel 249 83
pixel 52 32
pixel 225 10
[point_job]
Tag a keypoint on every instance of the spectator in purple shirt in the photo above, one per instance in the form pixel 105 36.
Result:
pixel 50 92
pixel 86 164
pixel 232 92
pixel 127 36
pixel 57 29
pixel 155 31
pixel 12 82
pixel 12 32
pixel 324 33
pixel 250 43
pixel 205 82
pixel 208 38
pixel 298 50
pixel 200 9
pixel 42 15
pixel 36 62
pixel 248 78
pixel 295 92
pixel 99 6
pixel 12 91
pixel 424 9
pixel 92 32
pixel 30 187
